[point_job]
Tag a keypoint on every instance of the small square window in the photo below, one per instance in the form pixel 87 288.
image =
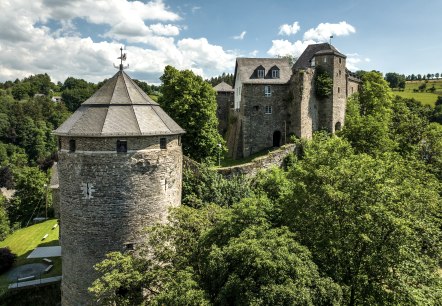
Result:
pixel 267 90
pixel 275 74
pixel 260 73
pixel 121 146
pixel 129 246
pixel 72 145
pixel 268 109
pixel 163 143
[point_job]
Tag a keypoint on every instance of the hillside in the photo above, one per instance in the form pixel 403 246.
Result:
pixel 427 98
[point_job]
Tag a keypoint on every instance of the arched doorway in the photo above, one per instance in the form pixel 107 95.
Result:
pixel 337 126
pixel 277 139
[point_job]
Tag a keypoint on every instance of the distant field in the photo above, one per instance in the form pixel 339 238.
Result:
pixel 424 97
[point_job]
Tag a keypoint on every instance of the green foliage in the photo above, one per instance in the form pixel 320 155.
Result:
pixel 323 83
pixel 395 80
pixel 7 259
pixel 4 221
pixel 371 223
pixel 191 102
pixel 431 148
pixel 227 78
pixel 202 185
pixel 30 195
pixel 76 91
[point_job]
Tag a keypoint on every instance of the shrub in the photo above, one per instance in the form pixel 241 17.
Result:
pixel 7 259
pixel 323 83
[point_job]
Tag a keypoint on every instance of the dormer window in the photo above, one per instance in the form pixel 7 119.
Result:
pixel 260 73
pixel 275 73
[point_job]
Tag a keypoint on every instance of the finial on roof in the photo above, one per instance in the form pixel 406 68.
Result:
pixel 122 58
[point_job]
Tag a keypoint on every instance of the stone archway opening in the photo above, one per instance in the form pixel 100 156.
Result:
pixel 338 126
pixel 276 138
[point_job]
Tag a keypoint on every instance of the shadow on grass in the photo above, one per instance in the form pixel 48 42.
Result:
pixel 48 295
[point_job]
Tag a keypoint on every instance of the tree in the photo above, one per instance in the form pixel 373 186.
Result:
pixel 369 115
pixel 371 223
pixel 7 259
pixel 30 196
pixel 395 80
pixel 323 83
pixel 4 221
pixel 191 102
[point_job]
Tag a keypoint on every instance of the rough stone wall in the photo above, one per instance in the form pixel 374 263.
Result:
pixel 352 87
pixel 224 99
pixel 56 202
pixel 305 104
pixel 339 93
pixel 127 192
pixel 234 134
pixel 274 158
pixel 259 127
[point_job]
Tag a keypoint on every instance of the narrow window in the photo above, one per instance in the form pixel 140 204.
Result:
pixel 339 60
pixel 325 60
pixel 352 89
pixel 179 140
pixel 339 90
pixel 121 146
pixel 163 143
pixel 267 90
pixel 268 109
pixel 260 73
pixel 275 74
pixel 339 72
pixel 72 145
pixel 313 62
pixel 59 143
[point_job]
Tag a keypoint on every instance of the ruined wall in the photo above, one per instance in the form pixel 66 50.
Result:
pixel 108 198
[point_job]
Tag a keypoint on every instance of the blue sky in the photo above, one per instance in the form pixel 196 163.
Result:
pixel 81 38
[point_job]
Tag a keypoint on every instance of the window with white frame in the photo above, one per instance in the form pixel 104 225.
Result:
pixel 261 73
pixel 267 91
pixel 275 73
pixel 313 63
pixel 268 109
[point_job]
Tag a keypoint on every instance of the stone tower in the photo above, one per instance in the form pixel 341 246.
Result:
pixel 120 168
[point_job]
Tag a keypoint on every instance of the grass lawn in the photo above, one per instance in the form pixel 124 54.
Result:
pixel 23 241
pixel 427 98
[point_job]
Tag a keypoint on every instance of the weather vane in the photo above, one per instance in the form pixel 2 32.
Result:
pixel 122 58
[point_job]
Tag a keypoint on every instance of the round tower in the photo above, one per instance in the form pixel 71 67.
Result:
pixel 120 169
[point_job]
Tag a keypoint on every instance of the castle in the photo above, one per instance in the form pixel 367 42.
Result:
pixel 120 168
pixel 120 156
pixel 271 99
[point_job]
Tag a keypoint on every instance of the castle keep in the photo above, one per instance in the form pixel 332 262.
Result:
pixel 274 100
pixel 120 167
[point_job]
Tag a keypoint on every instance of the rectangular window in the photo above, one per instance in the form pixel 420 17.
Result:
pixel 339 90
pixel 260 73
pixel 313 62
pixel 267 90
pixel 339 60
pixel 268 109
pixel 72 145
pixel 275 74
pixel 59 143
pixel 325 60
pixel 163 143
pixel 179 140
pixel 339 72
pixel 121 146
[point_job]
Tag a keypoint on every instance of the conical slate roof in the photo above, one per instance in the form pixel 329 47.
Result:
pixel 119 108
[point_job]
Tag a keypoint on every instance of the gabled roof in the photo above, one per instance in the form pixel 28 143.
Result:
pixel 246 70
pixel 119 108
pixel 304 61
pixel 223 87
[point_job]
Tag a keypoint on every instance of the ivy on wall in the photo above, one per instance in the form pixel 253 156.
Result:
pixel 323 83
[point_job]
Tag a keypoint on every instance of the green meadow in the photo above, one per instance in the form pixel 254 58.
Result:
pixel 427 98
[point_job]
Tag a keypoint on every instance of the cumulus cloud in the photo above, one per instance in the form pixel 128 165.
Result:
pixel 324 30
pixel 284 47
pixel 43 38
pixel 287 29
pixel 240 36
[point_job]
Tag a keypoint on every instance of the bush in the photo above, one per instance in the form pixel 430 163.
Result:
pixel 323 83
pixel 7 259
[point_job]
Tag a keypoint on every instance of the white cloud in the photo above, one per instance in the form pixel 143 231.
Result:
pixel 240 36
pixel 287 29
pixel 29 46
pixel 254 53
pixel 285 47
pixel 324 30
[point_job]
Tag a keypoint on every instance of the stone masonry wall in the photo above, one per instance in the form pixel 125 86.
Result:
pixel 107 200
pixel 274 158
pixel 259 127
pixel 224 99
